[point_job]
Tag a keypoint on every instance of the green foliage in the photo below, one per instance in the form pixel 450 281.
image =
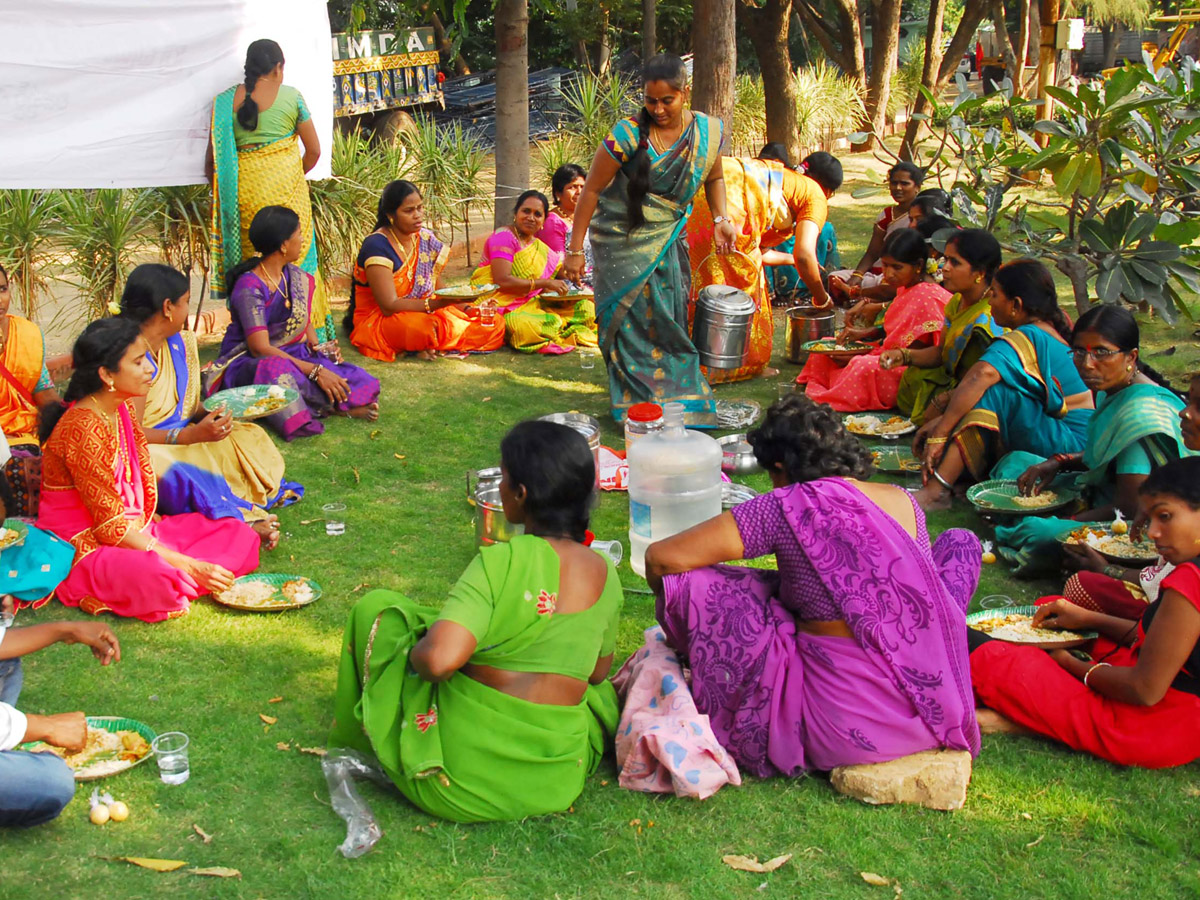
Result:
pixel 447 164
pixel 102 230
pixel 749 129
pixel 29 224
pixel 829 105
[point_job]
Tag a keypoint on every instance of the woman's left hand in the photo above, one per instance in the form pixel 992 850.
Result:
pixel 724 236
pixel 1060 656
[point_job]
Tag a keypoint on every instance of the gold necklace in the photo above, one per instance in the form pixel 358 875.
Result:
pixel 111 420
pixel 401 251
pixel 517 235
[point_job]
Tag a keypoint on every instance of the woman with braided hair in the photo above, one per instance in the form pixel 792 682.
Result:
pixel 254 161
pixel 636 202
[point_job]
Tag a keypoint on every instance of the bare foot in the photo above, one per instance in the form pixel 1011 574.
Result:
pixel 427 355
pixel 933 497
pixel 267 531
pixel 991 722
pixel 770 371
pixel 370 412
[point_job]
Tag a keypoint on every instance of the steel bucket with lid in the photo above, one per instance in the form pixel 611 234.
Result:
pixel 807 323
pixel 490 525
pixel 721 324
pixel 585 425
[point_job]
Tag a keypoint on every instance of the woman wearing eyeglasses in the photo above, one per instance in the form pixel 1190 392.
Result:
pixel 1135 430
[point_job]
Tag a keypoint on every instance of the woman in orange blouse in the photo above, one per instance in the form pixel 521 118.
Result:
pixel 99 493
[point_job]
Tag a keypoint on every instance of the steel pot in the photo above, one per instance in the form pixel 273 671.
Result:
pixel 585 425
pixel 804 324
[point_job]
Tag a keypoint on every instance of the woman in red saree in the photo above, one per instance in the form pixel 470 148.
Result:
pixel 915 318
pixel 99 493
pixel 393 308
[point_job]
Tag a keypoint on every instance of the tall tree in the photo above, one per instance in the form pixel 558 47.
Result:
pixel 512 104
pixel 714 41
pixel 649 23
pixel 767 27
pixel 929 71
pixel 839 32
pixel 885 48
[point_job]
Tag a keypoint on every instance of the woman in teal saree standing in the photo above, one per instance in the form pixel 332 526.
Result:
pixel 636 202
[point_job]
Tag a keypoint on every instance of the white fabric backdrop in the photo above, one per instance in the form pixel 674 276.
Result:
pixel 118 93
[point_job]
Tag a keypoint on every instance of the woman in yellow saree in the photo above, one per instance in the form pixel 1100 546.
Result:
pixel 254 161
pixel 540 313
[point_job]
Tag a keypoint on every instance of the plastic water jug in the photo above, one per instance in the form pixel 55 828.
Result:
pixel 674 483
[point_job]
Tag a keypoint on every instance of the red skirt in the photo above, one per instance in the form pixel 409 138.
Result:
pixel 1027 686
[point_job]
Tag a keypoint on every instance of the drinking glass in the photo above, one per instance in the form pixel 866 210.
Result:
pixel 784 389
pixel 996 601
pixel 335 518
pixel 587 359
pixel 487 313
pixel 171 752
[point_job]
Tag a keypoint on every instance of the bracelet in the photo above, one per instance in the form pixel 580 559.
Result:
pixel 942 481
pixel 316 370
pixel 1113 572
pixel 576 253
pixel 173 435
pixel 150 546
pixel 532 285
pixel 856 274
pixel 1063 458
pixel 426 301
pixel 906 356
pixel 1091 670
pixel 936 441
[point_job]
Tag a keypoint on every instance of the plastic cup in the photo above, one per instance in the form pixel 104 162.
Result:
pixel 996 601
pixel 612 549
pixel 785 389
pixel 171 752
pixel 487 313
pixel 335 518
pixel 587 359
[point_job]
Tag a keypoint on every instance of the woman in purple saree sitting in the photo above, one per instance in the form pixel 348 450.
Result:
pixel 854 651
pixel 271 340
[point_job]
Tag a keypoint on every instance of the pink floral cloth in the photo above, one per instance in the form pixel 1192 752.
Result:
pixel 663 743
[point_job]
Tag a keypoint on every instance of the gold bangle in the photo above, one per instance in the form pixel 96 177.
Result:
pixel 935 441
pixel 427 309
pixel 150 546
pixel 532 285
pixel 906 356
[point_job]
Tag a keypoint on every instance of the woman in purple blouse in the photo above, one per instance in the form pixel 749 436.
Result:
pixel 855 650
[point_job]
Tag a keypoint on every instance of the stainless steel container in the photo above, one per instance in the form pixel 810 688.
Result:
pixel 585 425
pixel 490 525
pixel 804 324
pixel 722 325
pixel 481 479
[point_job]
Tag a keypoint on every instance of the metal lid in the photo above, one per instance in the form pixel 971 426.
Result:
pixel 723 298
pixel 581 422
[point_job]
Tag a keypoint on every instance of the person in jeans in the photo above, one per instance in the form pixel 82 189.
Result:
pixel 34 787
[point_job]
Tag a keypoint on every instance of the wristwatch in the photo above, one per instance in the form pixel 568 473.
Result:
pixel 717 220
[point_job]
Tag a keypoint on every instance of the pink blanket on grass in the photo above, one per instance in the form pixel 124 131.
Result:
pixel 663 743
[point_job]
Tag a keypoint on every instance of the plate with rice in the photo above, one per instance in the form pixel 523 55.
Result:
pixel 880 426
pixel 464 291
pixel 1117 548
pixel 13 533
pixel 1003 496
pixel 270 593
pixel 114 745
pixel 1014 625
pixel 252 401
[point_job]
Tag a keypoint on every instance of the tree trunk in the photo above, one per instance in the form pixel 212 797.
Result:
pixel 445 47
pixel 841 39
pixel 1111 35
pixel 767 27
pixel 929 71
pixel 604 47
pixel 885 42
pixel 715 43
pixel 1022 48
pixel 512 105
pixel 649 23
pixel 1005 41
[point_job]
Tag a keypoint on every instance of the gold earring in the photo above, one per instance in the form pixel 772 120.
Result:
pixel 170 318
pixel 111 387
pixel 978 279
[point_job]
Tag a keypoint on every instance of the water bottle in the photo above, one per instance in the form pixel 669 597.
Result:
pixel 674 483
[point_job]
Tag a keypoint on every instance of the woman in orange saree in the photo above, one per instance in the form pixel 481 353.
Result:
pixel 393 308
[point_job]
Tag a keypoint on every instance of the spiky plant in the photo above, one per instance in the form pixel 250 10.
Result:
pixel 30 222
pixel 102 230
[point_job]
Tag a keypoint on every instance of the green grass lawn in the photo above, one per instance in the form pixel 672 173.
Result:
pixel 1039 821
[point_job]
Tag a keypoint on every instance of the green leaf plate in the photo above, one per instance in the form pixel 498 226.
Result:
pixel 106 723
pixel 279 602
pixel 997 496
pixel 17 532
pixel 984 614
pixel 1141 554
pixel 895 459
pixel 832 348
pixel 237 401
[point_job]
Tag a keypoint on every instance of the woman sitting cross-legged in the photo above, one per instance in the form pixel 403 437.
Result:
pixel 99 492
pixel 1134 431
pixel 1023 394
pixel 537 317
pixel 393 308
pixel 205 461
pixel 497 707
pixel 855 650
pixel 270 339
pixel 913 320
pixel 1137 701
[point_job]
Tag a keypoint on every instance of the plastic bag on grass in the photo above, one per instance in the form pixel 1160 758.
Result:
pixel 341 767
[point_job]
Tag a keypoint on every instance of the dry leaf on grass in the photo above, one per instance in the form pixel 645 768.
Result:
pixel 876 880
pixel 204 835
pixel 357 477
pixel 751 863
pixel 282 745
pixel 314 751
pixel 1034 843
pixel 146 862
pixel 269 720
pixel 275 700
pixel 399 456
pixel 216 872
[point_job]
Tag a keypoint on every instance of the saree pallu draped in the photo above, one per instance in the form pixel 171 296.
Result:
pixel 460 749
pixel 782 700
pixel 917 313
pixel 240 476
pixel 30 571
pixel 97 486
pixel 450 329
pixel 968 332
pixel 784 281
pixel 1141 417
pixel 643 277
pixel 21 363
pixel 1029 687
pixel 1027 408
pixel 245 179
pixel 283 313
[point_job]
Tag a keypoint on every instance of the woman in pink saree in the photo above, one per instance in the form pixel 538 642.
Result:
pixel 853 652
pixel 99 493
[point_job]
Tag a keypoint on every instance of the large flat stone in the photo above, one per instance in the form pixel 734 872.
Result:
pixel 936 779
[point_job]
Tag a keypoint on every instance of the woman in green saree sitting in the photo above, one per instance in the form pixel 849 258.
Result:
pixel 636 200
pixel 498 707
pixel 1135 430
pixel 972 257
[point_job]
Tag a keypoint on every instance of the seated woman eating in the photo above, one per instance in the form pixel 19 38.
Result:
pixel 25 387
pixel 1024 393
pixel 271 340
pixel 523 268
pixel 971 259
pixel 855 650
pixel 205 461
pixel 393 308
pixel 1134 431
pixel 509 708
pixel 99 492
pixel 912 321
pixel 1137 701
pixel 566 184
